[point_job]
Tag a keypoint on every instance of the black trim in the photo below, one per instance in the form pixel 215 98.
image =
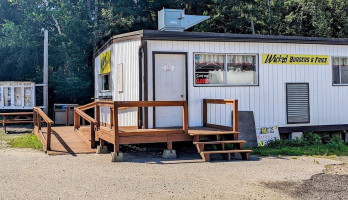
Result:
pixel 317 128
pixel 217 37
pixel 229 37
pixel 119 38
pixel 154 77
pixel 308 111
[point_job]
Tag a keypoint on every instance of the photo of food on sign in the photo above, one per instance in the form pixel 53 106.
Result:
pixel 266 134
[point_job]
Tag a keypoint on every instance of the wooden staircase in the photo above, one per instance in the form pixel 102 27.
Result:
pixel 229 148
pixel 221 139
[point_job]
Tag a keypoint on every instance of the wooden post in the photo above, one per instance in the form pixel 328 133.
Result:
pixel 4 124
pixel 39 122
pixel 48 136
pixel 34 117
pixel 78 121
pixel 97 114
pixel 92 136
pixel 185 117
pixel 116 145
pixel 235 115
pixel 205 112
pixel 67 113
pixel 111 117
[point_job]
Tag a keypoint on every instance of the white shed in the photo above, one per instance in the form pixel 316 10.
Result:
pixel 295 83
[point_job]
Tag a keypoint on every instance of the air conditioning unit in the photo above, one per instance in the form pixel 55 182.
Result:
pixel 176 20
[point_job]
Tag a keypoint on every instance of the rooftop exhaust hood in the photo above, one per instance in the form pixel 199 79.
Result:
pixel 176 20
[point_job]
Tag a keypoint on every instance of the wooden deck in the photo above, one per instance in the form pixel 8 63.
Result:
pixel 64 140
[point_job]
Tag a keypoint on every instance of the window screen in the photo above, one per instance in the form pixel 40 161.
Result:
pixel 105 79
pixel 340 71
pixel 225 69
pixel 297 103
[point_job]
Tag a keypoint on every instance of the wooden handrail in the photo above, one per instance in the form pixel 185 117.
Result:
pixel 87 106
pixel 129 104
pixel 43 115
pixel 38 115
pixel 233 102
pixel 85 116
pixel 78 113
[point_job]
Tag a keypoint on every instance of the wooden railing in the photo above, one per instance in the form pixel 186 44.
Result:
pixel 38 116
pixel 15 118
pixel 118 105
pixel 78 114
pixel 123 105
pixel 233 102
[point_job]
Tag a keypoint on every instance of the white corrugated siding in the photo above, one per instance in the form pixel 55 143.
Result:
pixel 125 52
pixel 268 100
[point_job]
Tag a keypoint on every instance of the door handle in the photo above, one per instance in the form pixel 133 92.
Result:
pixel 182 96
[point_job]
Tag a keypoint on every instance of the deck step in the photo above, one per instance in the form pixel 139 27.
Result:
pixel 244 153
pixel 194 133
pixel 222 142
pixel 228 151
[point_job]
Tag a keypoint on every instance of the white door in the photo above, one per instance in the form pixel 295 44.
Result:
pixel 170 85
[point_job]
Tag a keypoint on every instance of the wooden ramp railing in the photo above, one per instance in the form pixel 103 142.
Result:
pixel 38 116
pixel 78 114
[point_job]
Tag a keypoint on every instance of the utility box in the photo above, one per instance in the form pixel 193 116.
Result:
pixel 64 112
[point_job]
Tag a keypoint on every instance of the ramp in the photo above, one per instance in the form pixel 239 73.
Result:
pixel 64 140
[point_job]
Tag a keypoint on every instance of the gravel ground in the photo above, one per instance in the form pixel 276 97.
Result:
pixel 30 174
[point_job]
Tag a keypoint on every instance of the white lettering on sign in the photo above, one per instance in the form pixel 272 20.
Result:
pixel 168 68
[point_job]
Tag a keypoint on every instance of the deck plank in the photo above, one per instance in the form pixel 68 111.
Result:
pixel 64 140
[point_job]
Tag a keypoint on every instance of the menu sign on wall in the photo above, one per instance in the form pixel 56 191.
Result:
pixel 294 59
pixel 105 62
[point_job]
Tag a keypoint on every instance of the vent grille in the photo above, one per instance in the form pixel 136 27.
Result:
pixel 297 103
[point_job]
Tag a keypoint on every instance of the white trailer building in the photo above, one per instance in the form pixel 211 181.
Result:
pixel 295 83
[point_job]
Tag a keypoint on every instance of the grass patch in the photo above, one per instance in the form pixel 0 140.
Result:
pixel 310 145
pixel 25 141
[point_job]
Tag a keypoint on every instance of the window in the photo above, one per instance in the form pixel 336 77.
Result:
pixel 28 100
pixel 340 71
pixel 105 82
pixel 7 96
pixel 225 69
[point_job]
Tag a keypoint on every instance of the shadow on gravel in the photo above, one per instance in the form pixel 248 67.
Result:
pixel 319 186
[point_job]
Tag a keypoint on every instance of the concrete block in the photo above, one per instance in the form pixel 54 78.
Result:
pixel 295 135
pixel 102 149
pixel 346 138
pixel 169 154
pixel 117 157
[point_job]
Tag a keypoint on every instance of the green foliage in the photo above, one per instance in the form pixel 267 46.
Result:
pixel 78 28
pixel 25 141
pixel 311 144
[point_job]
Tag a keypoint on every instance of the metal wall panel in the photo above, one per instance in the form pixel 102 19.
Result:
pixel 268 100
pixel 126 53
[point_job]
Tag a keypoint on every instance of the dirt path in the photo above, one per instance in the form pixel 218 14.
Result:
pixel 29 174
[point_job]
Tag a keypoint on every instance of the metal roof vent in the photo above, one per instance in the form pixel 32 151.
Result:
pixel 176 20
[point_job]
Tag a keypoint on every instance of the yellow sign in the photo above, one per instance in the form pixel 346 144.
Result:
pixel 105 62
pixel 294 59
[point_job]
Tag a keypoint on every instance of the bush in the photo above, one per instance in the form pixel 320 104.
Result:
pixel 309 144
